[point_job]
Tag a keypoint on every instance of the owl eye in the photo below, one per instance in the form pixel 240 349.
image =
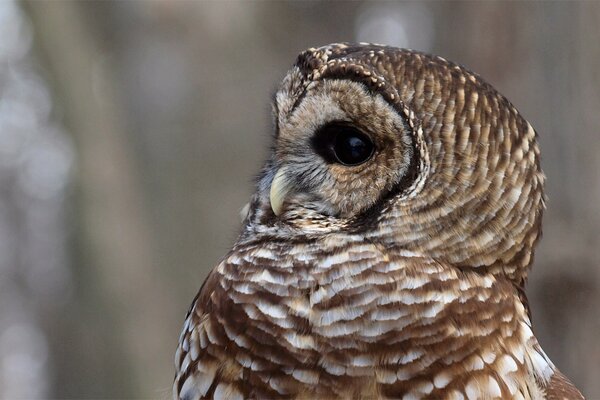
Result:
pixel 343 143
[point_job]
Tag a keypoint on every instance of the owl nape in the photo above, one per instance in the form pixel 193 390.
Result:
pixel 385 250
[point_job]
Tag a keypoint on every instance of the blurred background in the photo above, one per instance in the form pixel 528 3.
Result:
pixel 130 133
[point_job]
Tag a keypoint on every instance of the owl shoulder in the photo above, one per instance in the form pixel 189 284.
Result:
pixel 561 388
pixel 203 369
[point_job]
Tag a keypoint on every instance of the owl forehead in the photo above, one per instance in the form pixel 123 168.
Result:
pixel 413 83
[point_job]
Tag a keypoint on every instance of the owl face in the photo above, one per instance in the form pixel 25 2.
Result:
pixel 410 151
pixel 338 150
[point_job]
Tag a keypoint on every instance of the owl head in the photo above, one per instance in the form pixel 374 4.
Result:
pixel 407 150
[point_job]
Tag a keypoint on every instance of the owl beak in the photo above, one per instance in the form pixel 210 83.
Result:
pixel 279 191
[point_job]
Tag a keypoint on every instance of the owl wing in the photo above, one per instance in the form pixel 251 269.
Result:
pixel 205 370
pixel 561 388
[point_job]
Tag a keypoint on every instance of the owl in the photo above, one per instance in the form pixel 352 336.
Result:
pixel 385 251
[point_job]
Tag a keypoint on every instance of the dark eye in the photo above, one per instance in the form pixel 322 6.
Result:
pixel 343 143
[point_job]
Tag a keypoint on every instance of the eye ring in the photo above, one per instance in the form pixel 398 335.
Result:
pixel 343 143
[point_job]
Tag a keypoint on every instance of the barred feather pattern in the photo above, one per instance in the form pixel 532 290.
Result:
pixel 355 322
pixel 414 288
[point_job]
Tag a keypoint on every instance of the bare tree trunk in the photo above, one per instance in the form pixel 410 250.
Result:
pixel 116 266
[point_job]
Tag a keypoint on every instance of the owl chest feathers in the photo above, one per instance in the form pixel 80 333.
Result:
pixel 358 321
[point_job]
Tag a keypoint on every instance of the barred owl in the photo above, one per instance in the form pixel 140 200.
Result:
pixel 385 250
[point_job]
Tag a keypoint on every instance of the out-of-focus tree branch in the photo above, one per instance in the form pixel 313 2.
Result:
pixel 116 264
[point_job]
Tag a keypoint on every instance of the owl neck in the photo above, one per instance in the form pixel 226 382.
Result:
pixel 398 228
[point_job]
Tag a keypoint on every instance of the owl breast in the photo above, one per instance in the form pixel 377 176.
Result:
pixel 357 320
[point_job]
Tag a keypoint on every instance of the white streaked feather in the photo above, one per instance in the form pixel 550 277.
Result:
pixel 472 390
pixel 442 379
pixel 224 391
pixel 305 342
pixel 493 389
pixel 272 310
pixel 306 376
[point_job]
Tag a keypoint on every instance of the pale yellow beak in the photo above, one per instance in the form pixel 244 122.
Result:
pixel 279 191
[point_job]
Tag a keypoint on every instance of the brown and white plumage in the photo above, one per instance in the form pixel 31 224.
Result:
pixel 398 277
